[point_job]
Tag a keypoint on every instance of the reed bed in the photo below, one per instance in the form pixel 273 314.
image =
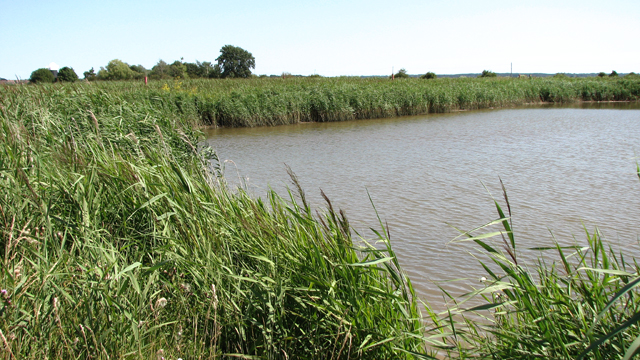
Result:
pixel 575 302
pixel 260 101
pixel 121 239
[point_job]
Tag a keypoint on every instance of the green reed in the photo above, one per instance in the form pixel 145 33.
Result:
pixel 577 302
pixel 121 240
pixel 259 102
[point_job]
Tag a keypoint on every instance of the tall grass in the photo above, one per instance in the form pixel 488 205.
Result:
pixel 577 302
pixel 119 240
pixel 258 102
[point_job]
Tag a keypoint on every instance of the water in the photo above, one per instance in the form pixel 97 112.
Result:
pixel 563 168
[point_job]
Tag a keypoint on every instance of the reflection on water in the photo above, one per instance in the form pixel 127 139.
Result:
pixel 563 167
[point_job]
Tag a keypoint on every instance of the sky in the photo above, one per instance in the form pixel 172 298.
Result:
pixel 330 38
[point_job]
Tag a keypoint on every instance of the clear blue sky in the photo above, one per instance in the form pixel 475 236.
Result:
pixel 326 37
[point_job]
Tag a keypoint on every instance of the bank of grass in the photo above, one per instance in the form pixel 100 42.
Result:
pixel 577 302
pixel 121 240
pixel 260 102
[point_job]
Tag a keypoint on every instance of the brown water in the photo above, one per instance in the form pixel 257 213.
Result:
pixel 562 168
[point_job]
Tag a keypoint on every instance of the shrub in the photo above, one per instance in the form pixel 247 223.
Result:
pixel 118 70
pixel 90 75
pixel 401 74
pixel 67 74
pixel 601 74
pixel 42 75
pixel 613 74
pixel 487 73
pixel 139 69
pixel 429 75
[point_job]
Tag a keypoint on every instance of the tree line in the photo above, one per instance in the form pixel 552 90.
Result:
pixel 233 62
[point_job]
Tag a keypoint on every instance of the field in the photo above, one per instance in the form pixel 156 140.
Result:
pixel 120 239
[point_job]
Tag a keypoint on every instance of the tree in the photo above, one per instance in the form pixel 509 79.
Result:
pixel 487 73
pixel 216 73
pixel 429 75
pixel 178 70
pixel 118 70
pixel 67 74
pixel 235 62
pixel 200 69
pixel 601 74
pixel 160 71
pixel 613 74
pixel 139 69
pixel 401 74
pixel 42 75
pixel 90 75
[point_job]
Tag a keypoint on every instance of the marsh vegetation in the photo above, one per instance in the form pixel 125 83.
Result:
pixel 120 239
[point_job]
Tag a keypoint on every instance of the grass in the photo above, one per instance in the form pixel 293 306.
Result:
pixel 120 239
pixel 579 302
pixel 259 102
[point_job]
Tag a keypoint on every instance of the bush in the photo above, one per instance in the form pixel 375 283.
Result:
pixel 139 69
pixel 67 74
pixel 42 75
pixel 429 75
pixel 613 74
pixel 401 74
pixel 487 73
pixel 118 70
pixel 90 75
pixel 601 74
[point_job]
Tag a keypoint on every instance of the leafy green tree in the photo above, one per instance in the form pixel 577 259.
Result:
pixel 67 74
pixel 118 70
pixel 602 74
pixel 216 73
pixel 429 75
pixel 401 74
pixel 90 75
pixel 235 62
pixel 42 75
pixel 193 70
pixel 139 69
pixel 200 69
pixel 487 73
pixel 613 74
pixel 160 71
pixel 178 70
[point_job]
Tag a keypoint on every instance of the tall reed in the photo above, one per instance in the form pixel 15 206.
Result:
pixel 120 240
pixel 576 302
pixel 259 102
